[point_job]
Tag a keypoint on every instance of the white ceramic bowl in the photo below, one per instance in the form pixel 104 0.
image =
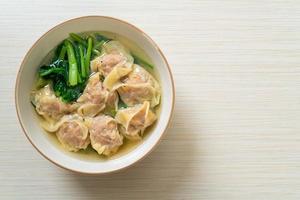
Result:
pixel 26 77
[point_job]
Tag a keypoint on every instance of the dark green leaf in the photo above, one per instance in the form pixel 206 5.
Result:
pixel 58 67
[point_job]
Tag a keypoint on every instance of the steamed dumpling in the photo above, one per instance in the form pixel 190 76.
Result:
pixel 49 106
pixel 139 86
pixel 134 120
pixel 72 133
pixel 94 97
pixel 104 135
pixel 115 63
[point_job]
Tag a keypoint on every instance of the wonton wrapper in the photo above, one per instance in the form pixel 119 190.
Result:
pixel 111 106
pixel 139 86
pixel 115 63
pixel 73 134
pixel 94 97
pixel 104 134
pixel 49 106
pixel 135 120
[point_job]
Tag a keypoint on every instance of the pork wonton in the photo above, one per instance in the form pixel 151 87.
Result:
pixel 139 86
pixel 134 120
pixel 104 134
pixel 48 105
pixel 72 133
pixel 115 63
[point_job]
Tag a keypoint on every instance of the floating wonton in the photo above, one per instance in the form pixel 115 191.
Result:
pixel 139 86
pixel 104 134
pixel 49 106
pixel 94 97
pixel 71 132
pixel 135 120
pixel 115 63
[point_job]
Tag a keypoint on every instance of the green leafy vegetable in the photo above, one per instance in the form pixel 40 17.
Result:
pixel 62 53
pixel 73 70
pixel 96 53
pixel 98 46
pixel 88 55
pixel 121 104
pixel 84 73
pixel 57 68
pixel 78 39
pixel 78 61
pixel 57 72
pixel 70 66
pixel 98 40
pixel 67 93
pixel 139 61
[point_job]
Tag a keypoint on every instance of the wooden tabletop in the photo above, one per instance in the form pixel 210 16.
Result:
pixel 235 131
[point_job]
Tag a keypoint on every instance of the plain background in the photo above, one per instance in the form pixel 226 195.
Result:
pixel 235 130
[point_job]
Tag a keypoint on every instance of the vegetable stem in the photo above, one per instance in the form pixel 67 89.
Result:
pixel 96 52
pixel 88 55
pixel 62 52
pixel 82 61
pixel 79 78
pixel 73 70
pixel 97 45
pixel 78 38
pixel 77 56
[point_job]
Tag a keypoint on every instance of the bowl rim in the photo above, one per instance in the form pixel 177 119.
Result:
pixel 59 25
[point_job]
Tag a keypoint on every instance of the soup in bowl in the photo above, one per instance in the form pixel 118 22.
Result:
pixel 94 94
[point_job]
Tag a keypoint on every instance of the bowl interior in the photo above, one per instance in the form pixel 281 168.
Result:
pixel 26 77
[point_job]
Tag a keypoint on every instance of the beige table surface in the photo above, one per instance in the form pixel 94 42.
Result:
pixel 235 132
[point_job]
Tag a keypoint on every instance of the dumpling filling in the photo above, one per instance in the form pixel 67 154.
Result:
pixel 139 86
pixel 94 97
pixel 115 63
pixel 104 135
pixel 49 106
pixel 73 134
